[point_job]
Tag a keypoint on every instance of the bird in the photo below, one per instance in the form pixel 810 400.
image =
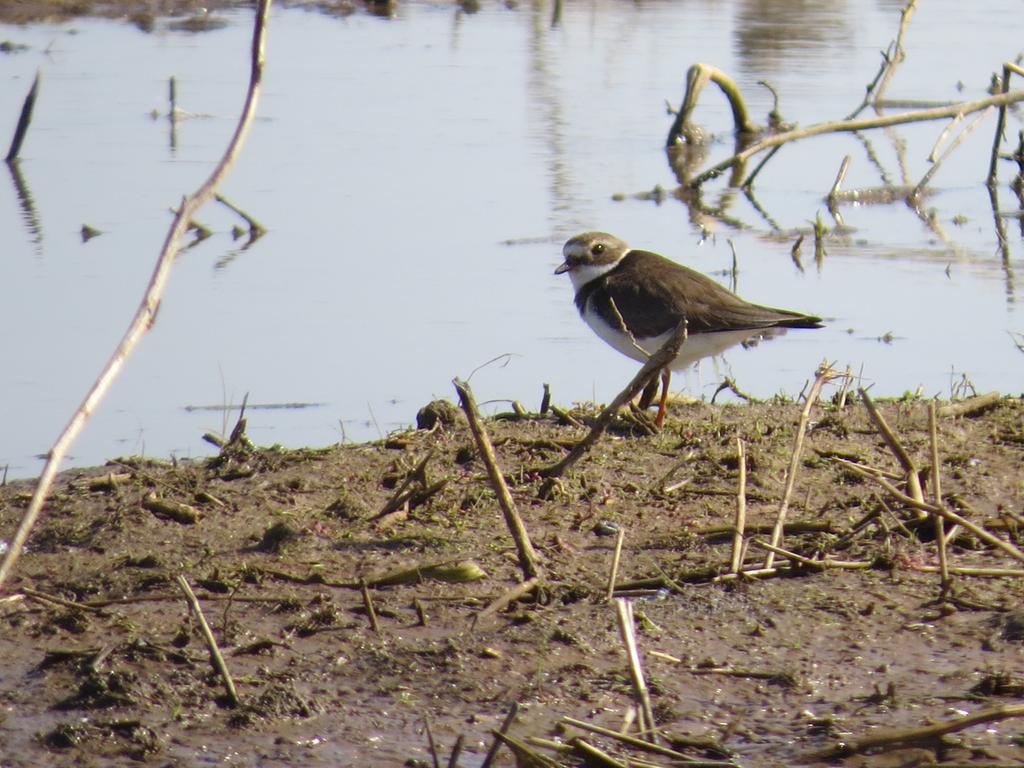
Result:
pixel 634 299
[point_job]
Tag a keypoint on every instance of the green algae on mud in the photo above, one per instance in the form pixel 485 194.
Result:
pixel 103 663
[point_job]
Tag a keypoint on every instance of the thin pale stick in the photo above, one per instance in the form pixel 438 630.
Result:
pixel 527 555
pixel 647 746
pixel 741 508
pixel 960 137
pixel 211 642
pixel 624 614
pixel 145 315
pixel 824 374
pixel 616 556
pixel 940 526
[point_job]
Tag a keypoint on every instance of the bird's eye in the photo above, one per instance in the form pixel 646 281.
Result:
pixel 598 249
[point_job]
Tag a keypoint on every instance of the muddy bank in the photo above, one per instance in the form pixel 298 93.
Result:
pixel 104 664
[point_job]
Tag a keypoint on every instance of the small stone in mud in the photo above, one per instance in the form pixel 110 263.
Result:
pixel 276 536
pixel 437 411
pixel 347 507
pixel 64 736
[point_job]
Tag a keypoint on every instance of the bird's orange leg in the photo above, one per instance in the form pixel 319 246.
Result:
pixel 659 420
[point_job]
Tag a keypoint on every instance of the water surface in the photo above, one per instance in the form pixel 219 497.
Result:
pixel 417 176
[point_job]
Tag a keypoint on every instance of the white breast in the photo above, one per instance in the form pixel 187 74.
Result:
pixel 695 348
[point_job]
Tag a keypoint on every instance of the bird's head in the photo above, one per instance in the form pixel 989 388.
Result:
pixel 589 255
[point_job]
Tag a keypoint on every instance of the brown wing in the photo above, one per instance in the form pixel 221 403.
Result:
pixel 644 284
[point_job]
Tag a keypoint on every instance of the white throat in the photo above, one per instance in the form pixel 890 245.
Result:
pixel 584 273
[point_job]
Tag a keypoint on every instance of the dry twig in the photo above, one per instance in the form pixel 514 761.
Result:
pixel 925 735
pixel 824 374
pixel 211 643
pixel 655 363
pixel 624 615
pixel 527 555
pixel 741 508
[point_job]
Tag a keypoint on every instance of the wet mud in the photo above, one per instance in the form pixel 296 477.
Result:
pixel 289 552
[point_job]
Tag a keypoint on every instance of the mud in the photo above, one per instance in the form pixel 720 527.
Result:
pixel 105 665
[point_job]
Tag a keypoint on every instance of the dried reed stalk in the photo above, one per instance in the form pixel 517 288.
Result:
pixel 824 374
pixel 527 555
pixel 900 739
pixel 211 643
pixel 909 468
pixel 624 616
pixel 940 525
pixel 24 120
pixel 948 514
pixel 613 572
pixel 741 508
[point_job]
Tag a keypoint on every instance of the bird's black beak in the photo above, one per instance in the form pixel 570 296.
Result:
pixel 563 268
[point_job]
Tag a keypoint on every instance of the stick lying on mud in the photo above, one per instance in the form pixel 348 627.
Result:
pixel 949 515
pixel 211 643
pixel 624 615
pixel 928 734
pixel 145 315
pixel 527 555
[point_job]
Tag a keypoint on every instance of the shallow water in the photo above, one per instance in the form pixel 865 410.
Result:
pixel 394 160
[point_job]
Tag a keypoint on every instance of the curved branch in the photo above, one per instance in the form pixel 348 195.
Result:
pixel 697 77
pixel 145 315
pixel 862 124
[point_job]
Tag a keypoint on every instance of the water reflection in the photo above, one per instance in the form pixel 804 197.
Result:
pixel 772 35
pixel 29 216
